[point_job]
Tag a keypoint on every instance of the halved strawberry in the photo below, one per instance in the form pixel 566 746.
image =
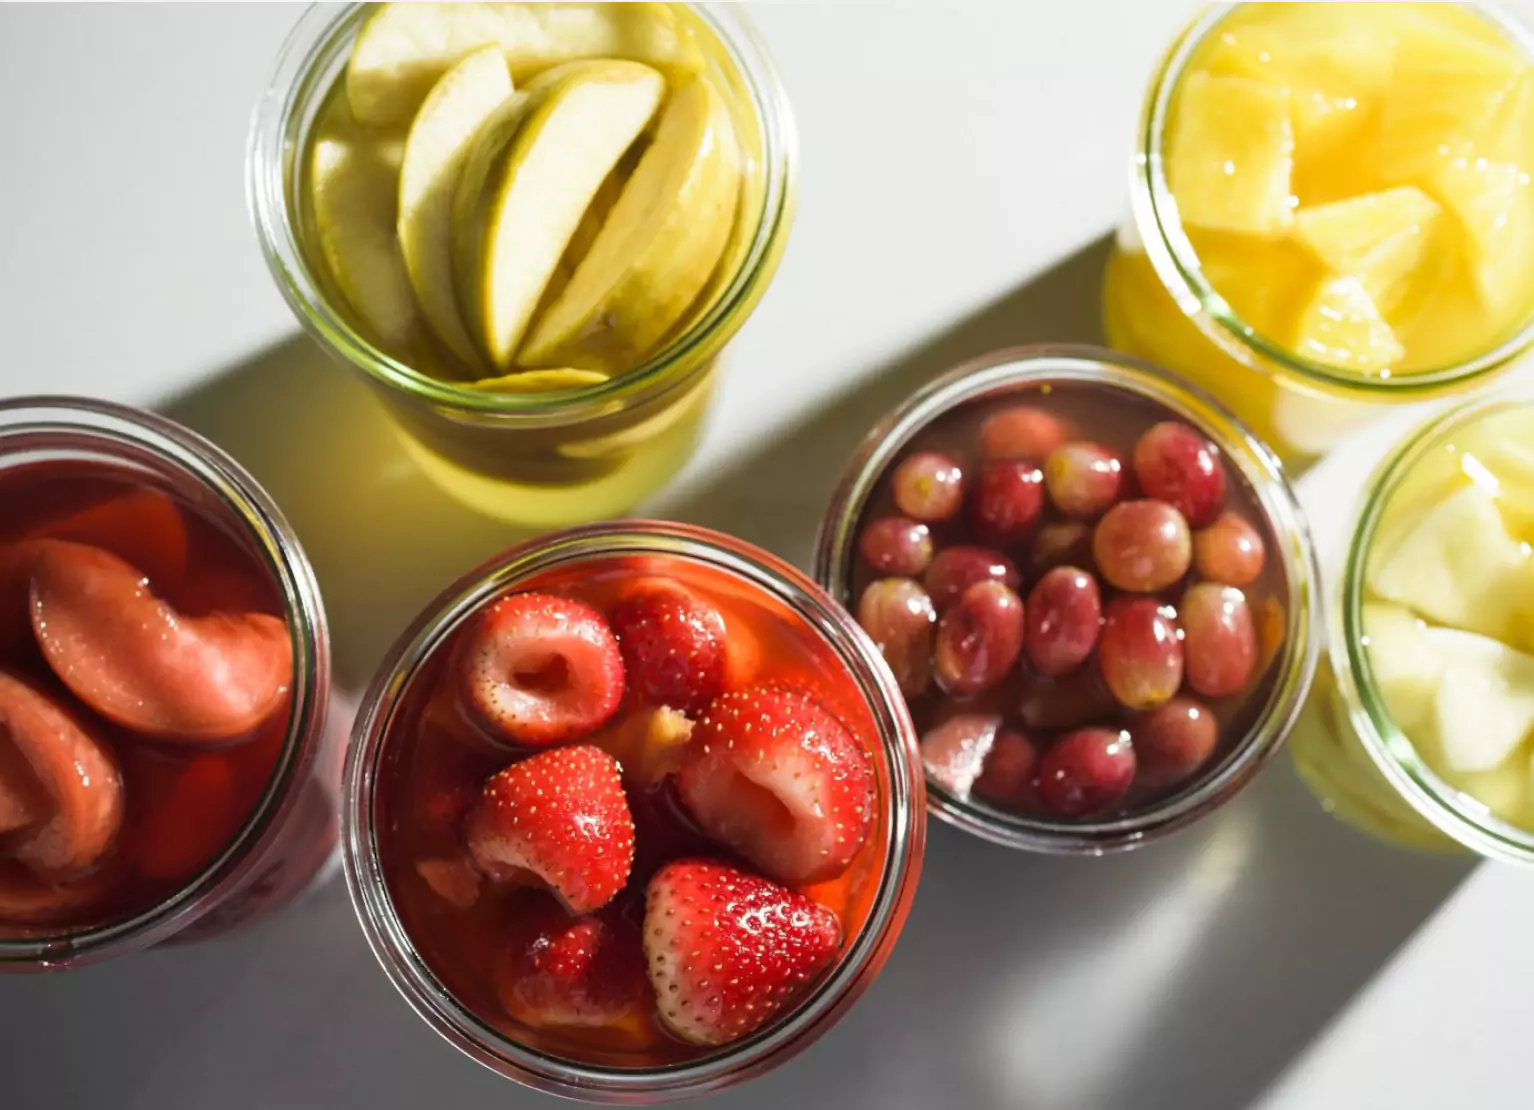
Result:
pixel 559 818
pixel 558 970
pixel 772 773
pixel 674 645
pixel 138 662
pixel 84 803
pixel 727 951
pixel 540 669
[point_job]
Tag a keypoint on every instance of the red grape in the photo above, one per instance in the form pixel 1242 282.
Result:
pixel 954 750
pixel 1084 479
pixel 1062 543
pixel 1008 501
pixel 979 638
pixel 1174 740
pixel 1230 551
pixel 1142 546
pixel 1220 639
pixel 929 486
pixel 1009 776
pixel 1140 652
pixel 1087 771
pixel 1064 613
pixel 898 616
pixel 1021 432
pixel 897 545
pixel 1180 466
pixel 956 569
pixel 1070 701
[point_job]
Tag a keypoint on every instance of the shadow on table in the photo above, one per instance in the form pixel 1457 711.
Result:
pixel 1186 975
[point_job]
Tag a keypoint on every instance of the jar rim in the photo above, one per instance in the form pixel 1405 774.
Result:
pixel 268 159
pixel 1176 262
pixel 113 428
pixel 835 994
pixel 1449 810
pixel 1000 372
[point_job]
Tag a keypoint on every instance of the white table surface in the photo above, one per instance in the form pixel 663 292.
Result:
pixel 961 166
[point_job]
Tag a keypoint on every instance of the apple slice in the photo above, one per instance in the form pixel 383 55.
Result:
pixel 658 247
pixel 402 50
pixel 540 381
pixel 354 184
pixel 1459 567
pixel 1484 708
pixel 435 151
pixel 533 172
pixel 136 661
pixel 71 786
pixel 1406 666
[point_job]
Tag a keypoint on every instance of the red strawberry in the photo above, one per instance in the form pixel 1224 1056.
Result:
pixel 728 951
pixel 773 774
pixel 674 645
pixel 558 970
pixel 138 662
pixel 560 818
pixel 540 669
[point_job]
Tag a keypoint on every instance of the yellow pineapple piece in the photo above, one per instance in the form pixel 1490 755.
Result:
pixel 1449 83
pixel 1231 155
pixel 1341 326
pixel 1511 135
pixel 1493 207
pixel 1384 239
pixel 1265 281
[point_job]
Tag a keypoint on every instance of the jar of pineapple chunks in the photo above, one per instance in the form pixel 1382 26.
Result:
pixel 1332 211
pixel 1424 732
pixel 532 228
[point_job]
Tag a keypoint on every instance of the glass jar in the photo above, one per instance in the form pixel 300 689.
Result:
pixel 285 844
pixel 1159 304
pixel 1353 754
pixel 536 459
pixel 900 798
pixel 1034 371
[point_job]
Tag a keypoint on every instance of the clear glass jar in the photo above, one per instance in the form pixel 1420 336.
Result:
pixel 1004 375
pixel 900 796
pixel 1158 304
pixel 291 836
pixel 550 458
pixel 1352 753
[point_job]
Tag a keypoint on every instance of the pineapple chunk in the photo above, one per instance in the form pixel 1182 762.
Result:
pixel 1458 566
pixel 1511 136
pixel 1383 239
pixel 1446 91
pixel 1231 155
pixel 1493 207
pixel 1484 708
pixel 1406 666
pixel 1264 280
pixel 1341 326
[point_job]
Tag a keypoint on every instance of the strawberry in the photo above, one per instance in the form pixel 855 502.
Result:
pixel 674 645
pixel 773 774
pixel 727 951
pixel 558 970
pixel 541 670
pixel 138 662
pixel 560 818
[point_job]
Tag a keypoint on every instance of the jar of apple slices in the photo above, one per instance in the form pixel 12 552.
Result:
pixel 128 538
pixel 542 386
pixel 1421 733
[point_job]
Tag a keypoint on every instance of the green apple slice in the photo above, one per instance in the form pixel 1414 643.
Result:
pixel 540 381
pixel 435 152
pixel 535 167
pixel 1484 708
pixel 354 183
pixel 657 248
pixel 402 50
pixel 1458 566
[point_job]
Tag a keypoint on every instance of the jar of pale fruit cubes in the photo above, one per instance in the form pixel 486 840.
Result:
pixel 531 227
pixel 1331 211
pixel 1428 736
